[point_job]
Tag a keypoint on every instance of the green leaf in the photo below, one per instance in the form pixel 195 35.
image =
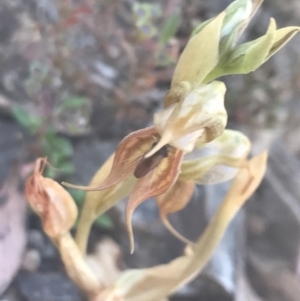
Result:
pixel 54 143
pixel 77 195
pixel 169 28
pixel 67 167
pixel 73 103
pixel 58 150
pixel 104 221
pixel 31 122
pixel 51 173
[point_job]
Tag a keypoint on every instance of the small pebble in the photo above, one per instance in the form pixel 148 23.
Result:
pixel 31 260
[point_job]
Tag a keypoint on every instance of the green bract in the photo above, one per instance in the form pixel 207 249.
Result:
pixel 249 56
pixel 212 51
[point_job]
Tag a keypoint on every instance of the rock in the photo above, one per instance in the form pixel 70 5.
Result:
pixel 224 265
pixel 47 287
pixel 36 239
pixel 12 141
pixel 12 231
pixel 89 154
pixel 31 260
pixel 11 294
pixel 105 261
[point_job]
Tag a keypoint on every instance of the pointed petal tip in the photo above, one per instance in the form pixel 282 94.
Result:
pixel 173 231
pixel 73 186
pixel 85 188
pixel 260 160
pixel 131 240
pixel 129 230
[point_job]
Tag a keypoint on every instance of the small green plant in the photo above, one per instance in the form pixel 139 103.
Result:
pixel 30 122
pixel 45 118
pixel 58 149
pixel 147 16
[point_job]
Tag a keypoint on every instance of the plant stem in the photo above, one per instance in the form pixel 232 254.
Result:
pixel 76 266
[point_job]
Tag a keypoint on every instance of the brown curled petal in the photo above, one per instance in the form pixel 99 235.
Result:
pixel 175 199
pixel 156 182
pixel 128 154
pixel 34 196
pixel 34 189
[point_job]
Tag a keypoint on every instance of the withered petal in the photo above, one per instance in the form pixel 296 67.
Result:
pixel 36 195
pixel 156 182
pixel 50 201
pixel 175 199
pixel 34 189
pixel 128 154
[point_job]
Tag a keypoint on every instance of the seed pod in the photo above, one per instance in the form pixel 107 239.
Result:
pixel 50 201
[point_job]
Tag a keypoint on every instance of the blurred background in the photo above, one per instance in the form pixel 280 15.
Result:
pixel 76 76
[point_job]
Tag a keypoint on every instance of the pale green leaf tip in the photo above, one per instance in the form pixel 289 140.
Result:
pixel 201 54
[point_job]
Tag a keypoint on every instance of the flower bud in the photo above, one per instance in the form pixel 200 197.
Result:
pixel 237 16
pixel 217 161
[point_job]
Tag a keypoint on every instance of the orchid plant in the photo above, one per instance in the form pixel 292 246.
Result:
pixel 188 144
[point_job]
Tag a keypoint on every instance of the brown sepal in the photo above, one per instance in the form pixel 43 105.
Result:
pixel 175 199
pixel 128 154
pixel 156 182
